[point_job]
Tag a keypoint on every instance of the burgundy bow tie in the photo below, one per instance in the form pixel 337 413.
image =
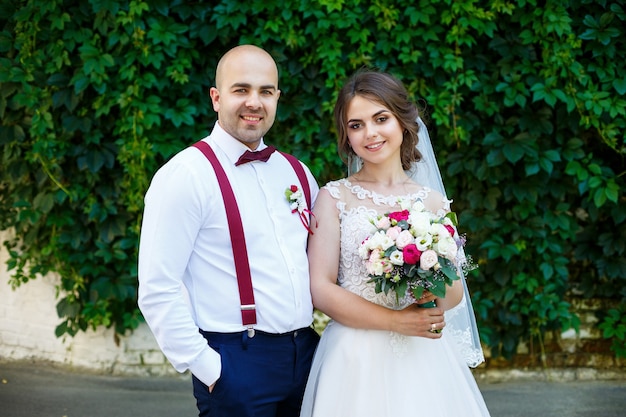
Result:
pixel 263 155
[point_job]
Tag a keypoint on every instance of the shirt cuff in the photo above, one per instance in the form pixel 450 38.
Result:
pixel 207 367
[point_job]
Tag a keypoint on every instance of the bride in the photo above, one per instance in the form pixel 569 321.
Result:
pixel 380 356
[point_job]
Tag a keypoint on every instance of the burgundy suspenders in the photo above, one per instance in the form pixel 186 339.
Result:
pixel 237 238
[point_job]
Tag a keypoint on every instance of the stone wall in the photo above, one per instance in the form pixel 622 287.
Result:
pixel 584 351
pixel 28 319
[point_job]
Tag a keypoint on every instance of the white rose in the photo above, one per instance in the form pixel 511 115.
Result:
pixel 439 229
pixel 364 251
pixel 396 258
pixel 424 241
pixel 375 268
pixel 381 240
pixel 386 242
pixel 420 223
pixel 404 204
pixel 403 239
pixel 447 247
pixel 418 206
pixel 429 259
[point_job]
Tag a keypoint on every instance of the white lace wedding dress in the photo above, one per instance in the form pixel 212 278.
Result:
pixel 371 373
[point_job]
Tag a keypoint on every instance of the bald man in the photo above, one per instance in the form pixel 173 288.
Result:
pixel 191 261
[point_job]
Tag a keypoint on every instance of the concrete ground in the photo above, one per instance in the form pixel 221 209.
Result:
pixel 28 390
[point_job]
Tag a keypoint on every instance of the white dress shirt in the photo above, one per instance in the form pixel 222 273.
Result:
pixel 187 275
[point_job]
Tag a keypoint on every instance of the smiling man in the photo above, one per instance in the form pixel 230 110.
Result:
pixel 223 270
pixel 246 94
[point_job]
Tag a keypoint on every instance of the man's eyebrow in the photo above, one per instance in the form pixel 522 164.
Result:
pixel 246 85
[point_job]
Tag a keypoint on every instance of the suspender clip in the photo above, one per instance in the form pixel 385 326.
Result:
pixel 250 332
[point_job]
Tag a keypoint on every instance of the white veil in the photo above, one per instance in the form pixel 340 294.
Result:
pixel 460 320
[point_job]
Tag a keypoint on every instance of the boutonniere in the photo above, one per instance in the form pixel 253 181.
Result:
pixel 297 204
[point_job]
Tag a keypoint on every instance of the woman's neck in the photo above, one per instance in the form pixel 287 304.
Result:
pixel 382 175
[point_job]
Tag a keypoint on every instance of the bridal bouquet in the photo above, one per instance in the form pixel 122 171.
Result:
pixel 413 250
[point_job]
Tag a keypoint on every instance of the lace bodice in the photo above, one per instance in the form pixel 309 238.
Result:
pixel 357 206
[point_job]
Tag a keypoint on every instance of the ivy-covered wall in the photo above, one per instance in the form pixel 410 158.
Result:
pixel 525 101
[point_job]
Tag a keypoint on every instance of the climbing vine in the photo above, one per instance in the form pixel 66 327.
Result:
pixel 525 102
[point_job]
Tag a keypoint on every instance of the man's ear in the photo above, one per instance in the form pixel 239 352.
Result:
pixel 215 98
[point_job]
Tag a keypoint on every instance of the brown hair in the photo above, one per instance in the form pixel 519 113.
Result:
pixel 389 92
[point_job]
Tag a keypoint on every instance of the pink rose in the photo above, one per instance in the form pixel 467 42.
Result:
pixel 411 254
pixel 429 259
pixel 374 268
pixel 393 232
pixel 375 255
pixel 399 215
pixel 404 238
pixel 382 223
pixel 450 229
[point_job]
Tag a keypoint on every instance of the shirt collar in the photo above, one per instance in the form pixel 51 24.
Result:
pixel 231 146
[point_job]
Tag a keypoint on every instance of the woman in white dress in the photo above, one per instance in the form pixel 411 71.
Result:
pixel 380 356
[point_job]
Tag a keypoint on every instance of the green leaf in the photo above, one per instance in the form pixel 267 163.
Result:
pixel 546 165
pixel 453 218
pixel 532 168
pixel 448 269
pixel 495 157
pixel 620 85
pixel 599 197
pixel 417 292
pixel 513 152
pixel 67 308
pixel 43 202
pixel 612 192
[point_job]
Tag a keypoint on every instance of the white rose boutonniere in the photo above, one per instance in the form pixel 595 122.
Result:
pixel 297 204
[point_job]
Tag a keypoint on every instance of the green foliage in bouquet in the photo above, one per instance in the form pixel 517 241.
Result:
pixel 439 282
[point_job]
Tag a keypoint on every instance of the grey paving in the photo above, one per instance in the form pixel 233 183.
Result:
pixel 28 390
pixel 42 391
pixel 556 399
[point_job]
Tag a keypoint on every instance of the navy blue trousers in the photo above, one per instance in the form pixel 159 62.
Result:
pixel 263 376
